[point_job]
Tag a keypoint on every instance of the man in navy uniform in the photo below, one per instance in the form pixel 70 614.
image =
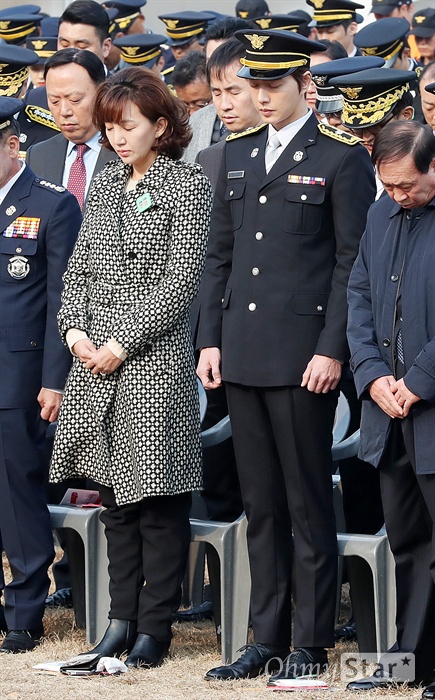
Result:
pixel 285 231
pixel 39 222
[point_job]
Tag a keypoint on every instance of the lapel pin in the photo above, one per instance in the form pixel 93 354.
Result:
pixel 298 156
pixel 144 202
pixel 11 210
pixel 254 152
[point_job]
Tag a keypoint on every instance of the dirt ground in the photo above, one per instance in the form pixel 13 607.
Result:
pixel 181 677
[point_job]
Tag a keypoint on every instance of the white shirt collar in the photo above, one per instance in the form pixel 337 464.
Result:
pixel 10 183
pixel 287 133
pixel 92 143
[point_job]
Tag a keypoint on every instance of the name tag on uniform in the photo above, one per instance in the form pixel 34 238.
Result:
pixel 235 174
pixel 23 227
pixel 306 180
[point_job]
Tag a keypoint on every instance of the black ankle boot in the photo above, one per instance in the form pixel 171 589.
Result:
pixel 147 652
pixel 118 639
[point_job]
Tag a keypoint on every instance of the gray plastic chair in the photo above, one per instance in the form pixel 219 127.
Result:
pixel 92 567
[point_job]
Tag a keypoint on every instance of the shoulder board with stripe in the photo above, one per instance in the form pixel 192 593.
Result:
pixel 41 116
pixel 251 130
pixel 168 70
pixel 342 136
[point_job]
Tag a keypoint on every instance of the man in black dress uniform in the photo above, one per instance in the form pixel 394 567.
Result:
pixel 285 231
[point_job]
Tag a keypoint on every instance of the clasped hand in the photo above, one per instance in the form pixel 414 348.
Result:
pixel 101 361
pixel 392 396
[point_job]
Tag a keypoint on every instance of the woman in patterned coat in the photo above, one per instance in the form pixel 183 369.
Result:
pixel 130 416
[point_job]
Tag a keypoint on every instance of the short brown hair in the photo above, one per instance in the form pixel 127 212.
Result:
pixel 149 93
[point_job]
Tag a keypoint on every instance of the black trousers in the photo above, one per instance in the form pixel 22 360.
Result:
pixel 409 507
pixel 147 545
pixel 25 529
pixel 282 440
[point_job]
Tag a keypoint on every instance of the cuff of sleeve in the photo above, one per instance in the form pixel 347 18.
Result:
pixel 55 391
pixel 73 335
pixel 117 349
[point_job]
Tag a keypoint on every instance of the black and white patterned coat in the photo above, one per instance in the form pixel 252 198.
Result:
pixel 132 277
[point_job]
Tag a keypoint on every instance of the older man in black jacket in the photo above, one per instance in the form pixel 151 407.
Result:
pixel 391 334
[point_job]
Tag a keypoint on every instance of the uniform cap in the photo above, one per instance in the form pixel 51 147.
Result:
pixel 183 27
pixel 43 46
pixel 289 23
pixel 329 98
pixel 14 62
pixel 9 106
pixel 329 12
pixel 369 96
pixel 272 54
pixel 15 26
pixel 423 23
pixel 384 38
pixel 386 7
pixel 21 9
pixel 430 88
pixel 49 26
pixel 140 49
pixel 249 9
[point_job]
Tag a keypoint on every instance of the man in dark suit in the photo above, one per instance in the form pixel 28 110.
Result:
pixel 285 231
pixel 391 333
pixel 72 77
pixel 39 222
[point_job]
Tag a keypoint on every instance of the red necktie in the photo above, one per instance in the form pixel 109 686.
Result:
pixel 77 175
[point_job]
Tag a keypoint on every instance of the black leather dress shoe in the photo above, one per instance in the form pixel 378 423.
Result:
pixel 118 639
pixel 429 692
pixel 20 641
pixel 346 632
pixel 302 662
pixel 381 680
pixel 61 598
pixel 250 665
pixel 147 652
pixel 195 614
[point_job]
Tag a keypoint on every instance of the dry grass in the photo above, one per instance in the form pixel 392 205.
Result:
pixel 181 677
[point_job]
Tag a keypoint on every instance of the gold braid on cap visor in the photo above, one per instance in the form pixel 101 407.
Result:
pixel 142 58
pixel 386 53
pixel 372 111
pixel 17 32
pixel 13 82
pixel 198 29
pixel 265 65
pixel 323 16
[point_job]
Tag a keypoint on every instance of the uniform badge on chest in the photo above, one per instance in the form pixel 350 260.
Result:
pixel 254 152
pixel 18 267
pixel 298 156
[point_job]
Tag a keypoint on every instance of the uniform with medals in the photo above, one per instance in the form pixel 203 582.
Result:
pixel 39 222
pixel 281 248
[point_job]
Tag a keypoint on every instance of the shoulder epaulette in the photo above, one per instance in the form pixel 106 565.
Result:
pixel 250 130
pixel 168 70
pixel 342 136
pixel 50 185
pixel 41 116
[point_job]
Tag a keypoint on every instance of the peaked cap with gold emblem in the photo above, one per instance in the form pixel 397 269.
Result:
pixel 370 96
pixel 423 23
pixel 9 106
pixel 127 12
pixel 140 49
pixel 329 98
pixel 289 23
pixel 384 38
pixel 14 62
pixel 329 12
pixel 272 54
pixel 16 26
pixel 249 9
pixel 386 7
pixel 43 46
pixel 184 27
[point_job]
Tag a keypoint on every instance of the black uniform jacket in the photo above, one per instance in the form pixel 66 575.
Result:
pixel 280 252
pixel 39 222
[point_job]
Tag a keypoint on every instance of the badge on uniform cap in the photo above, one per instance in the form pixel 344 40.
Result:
pixel 18 267
pixel 144 202
pixel 254 152
pixel 11 210
pixel 298 156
